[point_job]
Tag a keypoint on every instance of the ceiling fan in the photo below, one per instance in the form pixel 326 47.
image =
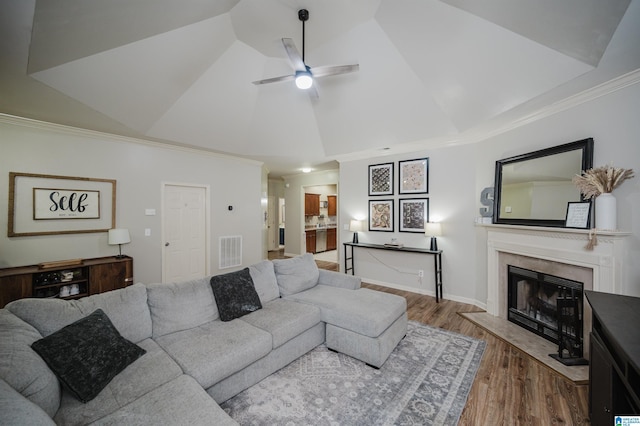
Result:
pixel 304 75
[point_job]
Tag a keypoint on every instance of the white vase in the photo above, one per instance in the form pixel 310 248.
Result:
pixel 606 212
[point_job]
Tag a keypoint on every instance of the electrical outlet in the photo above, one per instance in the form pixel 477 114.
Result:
pixel 420 273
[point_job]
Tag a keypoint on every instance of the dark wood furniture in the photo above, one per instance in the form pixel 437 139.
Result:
pixel 437 259
pixel 87 276
pixel 614 376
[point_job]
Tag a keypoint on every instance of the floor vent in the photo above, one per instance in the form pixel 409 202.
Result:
pixel 230 251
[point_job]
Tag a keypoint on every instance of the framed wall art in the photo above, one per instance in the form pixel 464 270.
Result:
pixel 578 214
pixel 50 205
pixel 414 213
pixel 414 176
pixel 381 179
pixel 381 215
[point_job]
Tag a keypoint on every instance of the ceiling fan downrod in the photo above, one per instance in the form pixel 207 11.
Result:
pixel 303 15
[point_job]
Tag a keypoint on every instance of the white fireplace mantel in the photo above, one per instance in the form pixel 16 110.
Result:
pixel 561 245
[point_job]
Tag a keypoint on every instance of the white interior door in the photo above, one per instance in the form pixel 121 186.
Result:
pixel 185 232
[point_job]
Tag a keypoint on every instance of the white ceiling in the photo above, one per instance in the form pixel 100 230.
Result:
pixel 431 71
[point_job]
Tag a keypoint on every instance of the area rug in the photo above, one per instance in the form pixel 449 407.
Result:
pixel 425 381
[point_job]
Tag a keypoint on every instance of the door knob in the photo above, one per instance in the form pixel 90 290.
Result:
pixel 166 244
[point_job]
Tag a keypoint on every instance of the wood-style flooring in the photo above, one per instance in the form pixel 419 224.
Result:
pixel 510 388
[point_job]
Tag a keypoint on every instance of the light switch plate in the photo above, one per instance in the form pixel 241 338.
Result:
pixel 150 212
pixel 147 232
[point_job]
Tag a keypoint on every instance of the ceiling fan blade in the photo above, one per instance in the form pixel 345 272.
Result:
pixel 276 79
pixel 313 93
pixel 294 55
pixel 334 70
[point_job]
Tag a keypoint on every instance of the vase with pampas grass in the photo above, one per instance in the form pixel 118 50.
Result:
pixel 598 183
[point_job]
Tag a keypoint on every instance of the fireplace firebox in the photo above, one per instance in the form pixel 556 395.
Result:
pixel 549 306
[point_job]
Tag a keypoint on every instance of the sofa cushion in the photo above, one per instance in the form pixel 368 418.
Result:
pixel 147 373
pixel 180 306
pixel 127 309
pixel 87 354
pixel 22 368
pixel 284 319
pixel 235 294
pixel 179 402
pixel 365 311
pixel 296 274
pixel 16 410
pixel 264 280
pixel 215 350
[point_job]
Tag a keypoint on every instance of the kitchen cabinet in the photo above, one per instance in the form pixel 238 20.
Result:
pixel 311 204
pixel 311 241
pixel 65 279
pixel 331 239
pixel 332 205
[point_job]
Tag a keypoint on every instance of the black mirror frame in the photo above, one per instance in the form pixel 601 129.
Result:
pixel 585 145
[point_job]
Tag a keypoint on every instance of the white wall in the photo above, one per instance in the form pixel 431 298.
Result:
pixel 452 201
pixel 457 176
pixel 139 168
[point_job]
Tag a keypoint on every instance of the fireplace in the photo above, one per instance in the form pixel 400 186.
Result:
pixel 555 251
pixel 549 306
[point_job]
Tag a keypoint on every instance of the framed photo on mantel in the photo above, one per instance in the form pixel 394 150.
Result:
pixel 578 214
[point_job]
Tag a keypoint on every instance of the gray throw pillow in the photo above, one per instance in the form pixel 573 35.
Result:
pixel 87 354
pixel 235 294
pixel 296 274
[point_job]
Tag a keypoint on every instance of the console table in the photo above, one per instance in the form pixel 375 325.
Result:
pixel 614 370
pixel 437 259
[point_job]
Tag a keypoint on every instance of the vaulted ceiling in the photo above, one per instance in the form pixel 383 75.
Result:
pixel 432 72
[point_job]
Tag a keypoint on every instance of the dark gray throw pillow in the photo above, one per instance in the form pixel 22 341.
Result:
pixel 235 294
pixel 87 354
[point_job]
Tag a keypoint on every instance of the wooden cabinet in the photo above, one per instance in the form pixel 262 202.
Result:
pixel 65 280
pixel 332 206
pixel 331 239
pixel 311 204
pixel 311 241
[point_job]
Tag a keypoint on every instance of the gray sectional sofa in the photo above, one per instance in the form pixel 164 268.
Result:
pixel 192 359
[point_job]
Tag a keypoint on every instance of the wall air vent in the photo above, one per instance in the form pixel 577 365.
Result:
pixel 230 251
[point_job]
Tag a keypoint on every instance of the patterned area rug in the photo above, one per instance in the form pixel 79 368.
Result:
pixel 425 381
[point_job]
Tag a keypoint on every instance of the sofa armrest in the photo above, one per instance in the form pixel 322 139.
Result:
pixel 337 279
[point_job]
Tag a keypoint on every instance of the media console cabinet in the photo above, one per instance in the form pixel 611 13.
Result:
pixel 68 279
pixel 614 373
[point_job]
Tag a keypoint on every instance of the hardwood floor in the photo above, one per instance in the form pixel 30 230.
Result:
pixel 510 387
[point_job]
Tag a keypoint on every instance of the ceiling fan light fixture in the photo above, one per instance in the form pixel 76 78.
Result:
pixel 304 79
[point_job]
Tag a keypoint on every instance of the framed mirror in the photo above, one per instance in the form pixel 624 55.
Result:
pixel 534 189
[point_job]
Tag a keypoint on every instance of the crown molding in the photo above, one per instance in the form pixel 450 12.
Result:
pixel 76 131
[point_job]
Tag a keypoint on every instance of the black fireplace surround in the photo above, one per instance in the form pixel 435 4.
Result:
pixel 549 306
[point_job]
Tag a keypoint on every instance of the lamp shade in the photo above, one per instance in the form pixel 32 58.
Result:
pixel 432 229
pixel 355 225
pixel 119 236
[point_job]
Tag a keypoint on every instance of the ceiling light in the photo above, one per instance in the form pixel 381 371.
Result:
pixel 306 170
pixel 304 79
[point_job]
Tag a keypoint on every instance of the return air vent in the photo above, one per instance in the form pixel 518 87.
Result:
pixel 230 251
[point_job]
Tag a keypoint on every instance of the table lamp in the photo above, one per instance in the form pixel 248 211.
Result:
pixel 355 226
pixel 433 230
pixel 119 236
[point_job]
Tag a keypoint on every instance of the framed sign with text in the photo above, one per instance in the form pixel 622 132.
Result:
pixel 50 205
